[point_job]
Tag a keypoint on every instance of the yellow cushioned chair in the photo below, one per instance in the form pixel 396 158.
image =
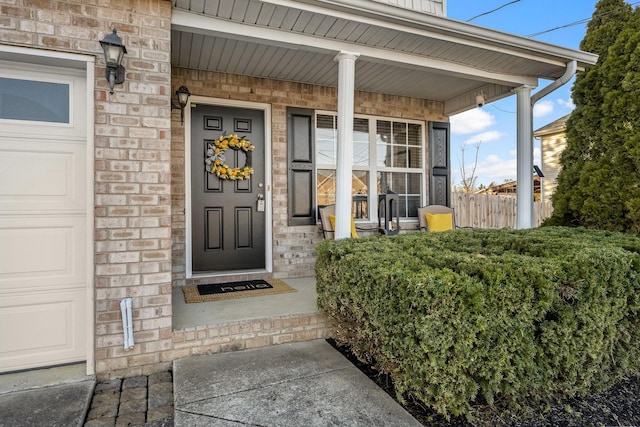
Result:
pixel 354 232
pixel 435 218
pixel 328 222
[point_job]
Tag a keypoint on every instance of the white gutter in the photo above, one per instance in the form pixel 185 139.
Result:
pixel 524 193
pixel 572 67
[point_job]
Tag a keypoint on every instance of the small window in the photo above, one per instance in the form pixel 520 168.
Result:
pixel 31 100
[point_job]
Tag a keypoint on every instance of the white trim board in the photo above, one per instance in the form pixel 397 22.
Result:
pixel 266 108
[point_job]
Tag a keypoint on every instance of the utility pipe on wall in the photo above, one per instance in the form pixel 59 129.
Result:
pixel 127 323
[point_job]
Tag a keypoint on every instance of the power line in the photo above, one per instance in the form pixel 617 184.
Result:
pixel 582 21
pixel 500 109
pixel 491 11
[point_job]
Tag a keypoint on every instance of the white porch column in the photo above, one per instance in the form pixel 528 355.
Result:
pixel 524 195
pixel 346 88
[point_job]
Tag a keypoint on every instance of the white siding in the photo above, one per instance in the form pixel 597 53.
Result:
pixel 552 147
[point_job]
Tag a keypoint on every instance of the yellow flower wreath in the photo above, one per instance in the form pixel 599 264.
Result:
pixel 215 157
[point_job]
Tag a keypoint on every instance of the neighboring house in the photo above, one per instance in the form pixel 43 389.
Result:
pixel 510 188
pixel 105 196
pixel 552 143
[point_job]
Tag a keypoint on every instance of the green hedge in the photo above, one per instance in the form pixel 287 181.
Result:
pixel 472 315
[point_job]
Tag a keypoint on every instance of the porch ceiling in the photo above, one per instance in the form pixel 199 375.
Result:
pixel 402 52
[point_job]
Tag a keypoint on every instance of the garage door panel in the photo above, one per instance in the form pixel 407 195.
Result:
pixel 38 176
pixel 42 252
pixel 45 194
pixel 34 328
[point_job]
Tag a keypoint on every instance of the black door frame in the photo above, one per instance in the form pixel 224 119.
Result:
pixel 268 250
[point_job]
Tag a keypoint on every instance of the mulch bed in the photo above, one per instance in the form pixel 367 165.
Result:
pixel 618 406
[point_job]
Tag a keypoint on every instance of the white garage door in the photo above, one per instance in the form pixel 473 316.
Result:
pixel 43 216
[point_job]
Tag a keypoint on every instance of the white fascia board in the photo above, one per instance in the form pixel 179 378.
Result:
pixel 441 28
pixel 205 25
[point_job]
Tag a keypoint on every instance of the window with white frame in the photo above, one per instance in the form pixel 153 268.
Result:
pixel 388 154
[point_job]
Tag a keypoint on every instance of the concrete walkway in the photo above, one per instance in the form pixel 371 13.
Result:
pixel 300 384
pixel 54 397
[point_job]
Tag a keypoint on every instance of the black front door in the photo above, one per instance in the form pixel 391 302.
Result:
pixel 228 217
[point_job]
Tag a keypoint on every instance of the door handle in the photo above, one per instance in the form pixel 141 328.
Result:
pixel 260 204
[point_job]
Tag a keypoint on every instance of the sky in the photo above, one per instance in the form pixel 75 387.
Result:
pixel 494 125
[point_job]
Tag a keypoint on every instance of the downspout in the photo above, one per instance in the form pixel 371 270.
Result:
pixel 524 195
pixel 127 323
pixel 572 67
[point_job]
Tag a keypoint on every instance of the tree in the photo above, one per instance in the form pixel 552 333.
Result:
pixel 469 178
pixel 598 181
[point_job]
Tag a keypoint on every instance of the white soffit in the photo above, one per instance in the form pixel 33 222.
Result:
pixel 402 52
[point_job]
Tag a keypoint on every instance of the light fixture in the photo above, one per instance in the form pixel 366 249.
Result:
pixel 183 95
pixel 114 51
pixel 481 99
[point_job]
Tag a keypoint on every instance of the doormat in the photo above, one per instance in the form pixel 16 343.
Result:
pixel 235 290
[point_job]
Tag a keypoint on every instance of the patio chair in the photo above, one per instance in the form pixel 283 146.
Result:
pixel 328 222
pixel 435 218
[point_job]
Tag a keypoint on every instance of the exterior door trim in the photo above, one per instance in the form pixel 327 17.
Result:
pixel 85 63
pixel 266 108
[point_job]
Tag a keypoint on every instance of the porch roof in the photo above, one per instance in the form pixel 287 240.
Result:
pixel 402 52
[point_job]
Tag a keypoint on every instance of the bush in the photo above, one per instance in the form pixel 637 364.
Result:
pixel 470 316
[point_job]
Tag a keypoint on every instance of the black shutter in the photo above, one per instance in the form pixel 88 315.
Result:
pixel 301 155
pixel 440 175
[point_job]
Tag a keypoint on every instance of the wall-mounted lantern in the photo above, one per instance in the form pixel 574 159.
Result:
pixel 183 95
pixel 114 51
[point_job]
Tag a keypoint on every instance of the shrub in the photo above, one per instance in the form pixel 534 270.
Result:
pixel 470 316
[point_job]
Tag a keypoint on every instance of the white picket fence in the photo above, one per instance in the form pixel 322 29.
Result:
pixel 491 211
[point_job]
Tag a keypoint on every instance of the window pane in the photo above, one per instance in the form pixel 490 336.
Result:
pixel 326 139
pixel 407 186
pixel 326 187
pixel 399 183
pixel 413 203
pixel 359 190
pixel 414 181
pixel 34 101
pixel 399 145
pixel 399 133
pixel 414 136
pixel 383 143
pixel 361 142
pixel 399 156
pixel 414 140
pixel 414 157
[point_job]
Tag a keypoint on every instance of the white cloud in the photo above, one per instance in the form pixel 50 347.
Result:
pixel 471 121
pixel 496 169
pixel 542 108
pixel 566 103
pixel 491 135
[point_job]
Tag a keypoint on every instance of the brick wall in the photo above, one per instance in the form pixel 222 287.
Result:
pixel 139 176
pixel 132 163
pixel 293 247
